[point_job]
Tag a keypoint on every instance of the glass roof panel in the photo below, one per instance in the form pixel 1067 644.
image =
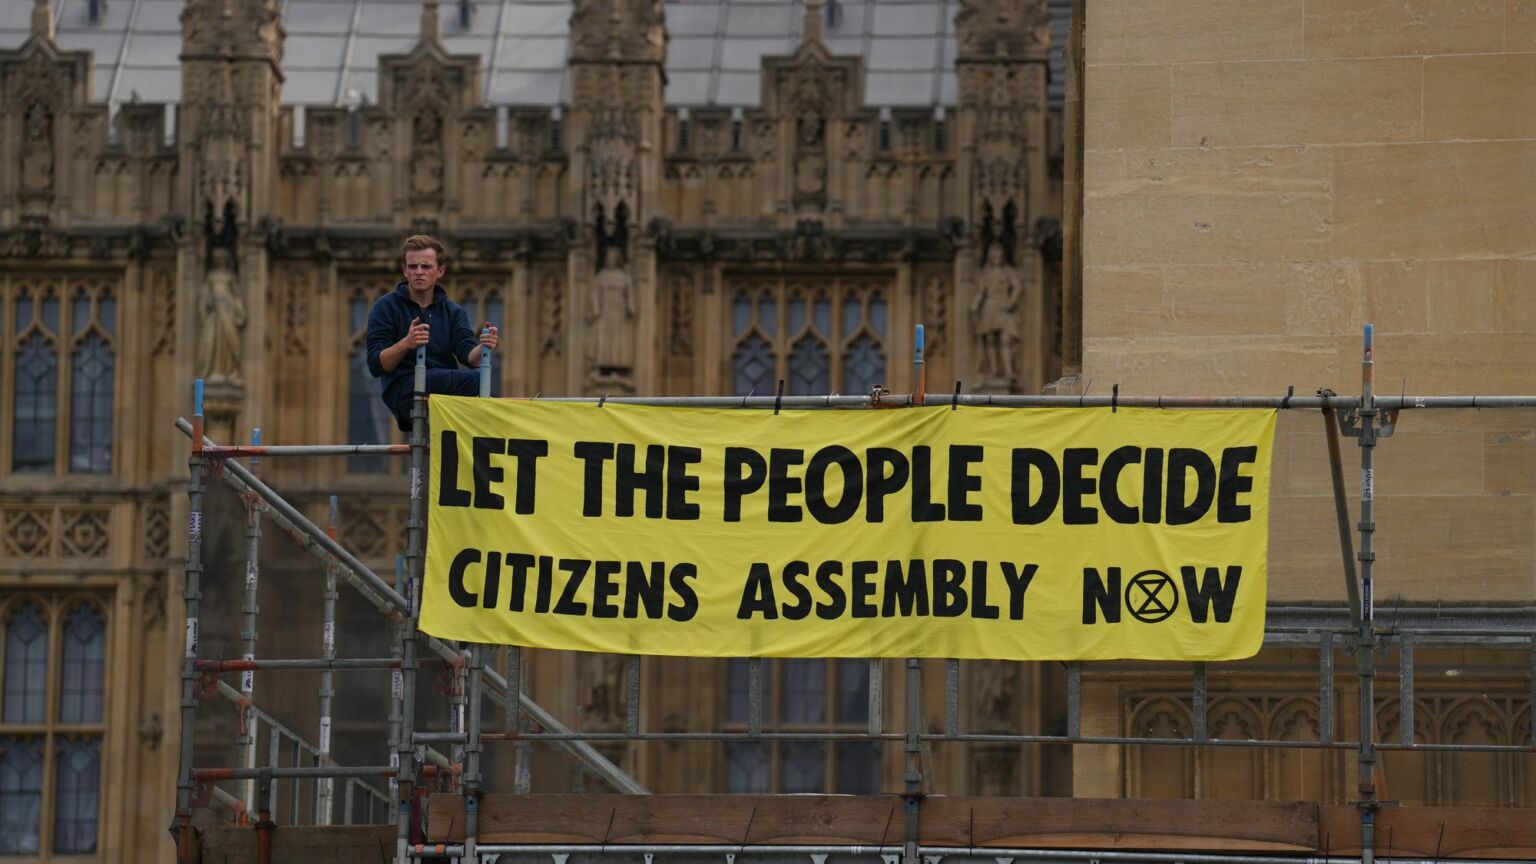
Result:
pixel 159 15
pixel 690 19
pixel 760 20
pixel 76 14
pixel 898 88
pixel 15 16
pixel 904 54
pixel 907 19
pixel 150 84
pixel 687 88
pixel 104 45
pixel 527 88
pixel 479 46
pixel 389 19
pixel 312 52
pixel 312 16
pixel 745 55
pixel 537 19
pixel 154 49
pixel 737 88
pixel 532 53
pixel 684 53
pixel 310 86
pixel 848 20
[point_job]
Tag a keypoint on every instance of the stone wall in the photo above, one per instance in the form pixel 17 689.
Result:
pixel 1261 178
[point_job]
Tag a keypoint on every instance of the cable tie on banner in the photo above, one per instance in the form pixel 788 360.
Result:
pixel 750 394
pixel 1290 391
pixel 954 398
pixel 1084 395
pixel 602 400
pixel 779 399
pixel 1114 399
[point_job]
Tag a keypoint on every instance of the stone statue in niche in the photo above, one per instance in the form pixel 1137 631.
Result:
pixel 810 161
pixel 611 305
pixel 223 312
pixel 995 304
pixel 37 150
pixel 427 156
pixel 606 697
pixel 995 683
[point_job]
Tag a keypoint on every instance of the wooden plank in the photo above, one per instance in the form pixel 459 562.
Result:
pixel 1435 832
pixel 872 820
pixel 308 844
pixel 1087 823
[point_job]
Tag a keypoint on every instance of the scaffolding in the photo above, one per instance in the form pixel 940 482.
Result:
pixel 394 787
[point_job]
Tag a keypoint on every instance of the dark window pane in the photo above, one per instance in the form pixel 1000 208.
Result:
pixel 824 315
pixel 810 370
pixel 805 691
pixel 853 315
pixel 877 315
pixel 26 665
pixel 863 365
pixel 107 315
pixel 767 313
pixel 858 767
pixel 90 419
pixel 80 316
pixel 805 767
pixel 746 764
pixel 25 308
pixel 753 367
pixel 368 421
pixel 21 795
pixel 78 798
pixel 37 383
pixel 853 691
pixel 741 314
pixel 798 310
pixel 51 314
pixel 739 689
pixel 85 645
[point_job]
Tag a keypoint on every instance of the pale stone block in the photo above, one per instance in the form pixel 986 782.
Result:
pixel 1216 366
pixel 1305 564
pixel 1480 96
pixel 1509 463
pixel 1198 206
pixel 1124 301
pixel 1297 102
pixel 1520 26
pixel 1130 107
pixel 1376 28
pixel 1489 364
pixel 1394 295
pixel 1136 31
pixel 1456 548
pixel 1227 299
pixel 1442 200
pixel 1415 461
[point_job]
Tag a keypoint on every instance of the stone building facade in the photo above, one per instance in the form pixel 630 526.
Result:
pixel 238 229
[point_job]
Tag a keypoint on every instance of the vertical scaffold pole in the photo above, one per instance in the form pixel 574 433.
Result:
pixel 246 742
pixel 415 559
pixel 914 741
pixel 475 660
pixel 1366 655
pixel 395 679
pixel 325 789
pixel 187 851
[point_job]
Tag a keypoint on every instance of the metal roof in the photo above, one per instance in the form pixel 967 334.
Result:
pixel 714 52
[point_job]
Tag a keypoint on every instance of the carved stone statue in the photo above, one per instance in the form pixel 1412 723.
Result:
pixel 994 318
pixel 37 150
pixel 810 161
pixel 427 157
pixel 223 320
pixel 222 310
pixel 611 305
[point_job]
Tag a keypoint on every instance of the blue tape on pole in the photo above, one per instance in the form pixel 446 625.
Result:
pixel 197 397
pixel 917 344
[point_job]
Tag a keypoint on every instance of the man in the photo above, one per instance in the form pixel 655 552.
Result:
pixel 418 312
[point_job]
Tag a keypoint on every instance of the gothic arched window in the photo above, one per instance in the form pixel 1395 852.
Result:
pixel 802 695
pixel 368 420
pixel 821 336
pixel 93 321
pixel 36 391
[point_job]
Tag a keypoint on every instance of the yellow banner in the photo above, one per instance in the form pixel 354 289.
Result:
pixel 991 533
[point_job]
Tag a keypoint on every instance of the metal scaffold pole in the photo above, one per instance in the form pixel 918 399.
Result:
pixel 187 851
pixel 326 790
pixel 415 560
pixel 246 742
pixel 1366 657
pixel 475 662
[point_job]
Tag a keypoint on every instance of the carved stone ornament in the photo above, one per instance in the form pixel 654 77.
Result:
pixel 222 311
pixel 1003 28
pixel 995 319
pixel 232 28
pixel 618 30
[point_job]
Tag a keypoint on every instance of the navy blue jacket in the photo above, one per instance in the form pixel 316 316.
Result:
pixel 452 338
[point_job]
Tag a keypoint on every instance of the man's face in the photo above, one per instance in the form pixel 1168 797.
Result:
pixel 422 270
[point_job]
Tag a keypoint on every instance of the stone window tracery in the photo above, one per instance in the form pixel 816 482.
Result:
pixel 58 367
pixel 802 695
pixel 52 723
pixel 820 336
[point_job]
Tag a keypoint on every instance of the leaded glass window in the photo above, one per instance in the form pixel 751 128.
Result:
pixel 481 299
pixel 84 649
pixel 37 381
pixel 801 695
pixel 26 665
pixel 52 732
pixel 21 795
pixel 369 421
pixel 91 381
pixel 77 802
pixel 57 346
pixel 819 335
